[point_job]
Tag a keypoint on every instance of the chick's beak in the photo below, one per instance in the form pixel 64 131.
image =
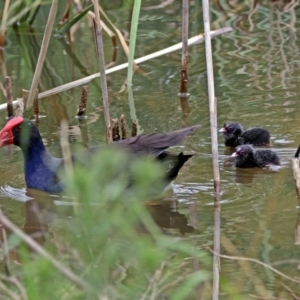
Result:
pixel 234 154
pixel 223 130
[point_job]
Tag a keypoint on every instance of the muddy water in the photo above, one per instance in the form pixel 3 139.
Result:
pixel 256 69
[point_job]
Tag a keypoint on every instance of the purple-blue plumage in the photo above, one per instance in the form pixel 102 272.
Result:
pixel 41 168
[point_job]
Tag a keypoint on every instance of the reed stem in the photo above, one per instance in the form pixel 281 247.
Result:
pixel 192 41
pixel 43 52
pixel 184 53
pixel 214 146
pixel 100 52
pixel 10 107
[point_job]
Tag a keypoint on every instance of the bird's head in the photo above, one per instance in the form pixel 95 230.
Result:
pixel 18 131
pixel 232 128
pixel 243 151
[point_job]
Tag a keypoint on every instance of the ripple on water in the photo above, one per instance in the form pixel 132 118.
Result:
pixel 18 194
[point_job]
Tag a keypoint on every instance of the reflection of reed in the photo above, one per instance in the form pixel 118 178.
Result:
pixel 196 265
pixel 186 110
pixel 286 49
pixel 297 231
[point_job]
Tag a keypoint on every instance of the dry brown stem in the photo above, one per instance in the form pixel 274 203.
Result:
pixel 192 41
pixel 10 108
pixel 83 101
pixel 258 262
pixel 3 23
pixel 100 52
pixel 17 283
pixel 35 107
pixel 134 128
pixel 5 250
pixel 123 128
pixel 42 54
pixel 295 297
pixel 115 130
pixel 11 294
pixel 184 53
pixel 40 250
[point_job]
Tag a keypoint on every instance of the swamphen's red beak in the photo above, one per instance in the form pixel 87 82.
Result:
pixel 6 135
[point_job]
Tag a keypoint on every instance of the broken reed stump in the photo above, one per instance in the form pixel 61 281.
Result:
pixel 83 101
pixel 123 129
pixel 134 129
pixel 296 173
pixel 10 107
pixel 115 130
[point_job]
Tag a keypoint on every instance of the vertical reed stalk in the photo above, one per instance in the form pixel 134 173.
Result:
pixel 10 107
pixel 4 247
pixel 184 53
pixel 25 94
pixel 100 52
pixel 3 23
pixel 214 142
pixel 132 41
pixel 43 52
pixel 36 109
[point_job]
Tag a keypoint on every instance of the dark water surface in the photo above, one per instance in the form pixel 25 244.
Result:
pixel 256 69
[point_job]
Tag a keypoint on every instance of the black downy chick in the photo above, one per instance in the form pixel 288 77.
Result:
pixel 235 135
pixel 247 157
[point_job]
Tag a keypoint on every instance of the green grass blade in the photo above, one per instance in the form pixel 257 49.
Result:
pixel 62 29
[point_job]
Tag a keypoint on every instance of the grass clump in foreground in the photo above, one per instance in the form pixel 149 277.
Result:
pixel 111 242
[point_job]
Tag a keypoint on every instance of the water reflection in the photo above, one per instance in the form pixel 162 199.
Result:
pixel 40 214
pixel 166 215
pixel 38 217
